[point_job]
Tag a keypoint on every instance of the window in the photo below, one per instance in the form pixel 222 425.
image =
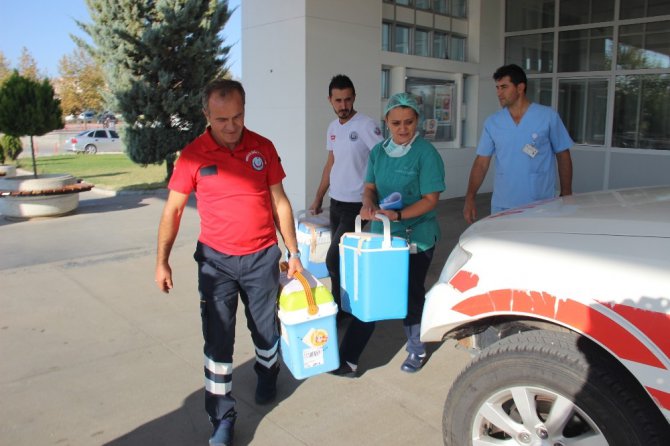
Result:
pixel 459 8
pixel 457 48
pixel 575 12
pixel 440 45
pixel 441 6
pixel 622 102
pixel 582 104
pixel 386 79
pixel 585 49
pixel 437 102
pixel 539 90
pixel 401 44
pixel 386 37
pixel 642 112
pixel 645 45
pixel 533 52
pixel 635 9
pixel 524 15
pixel 422 42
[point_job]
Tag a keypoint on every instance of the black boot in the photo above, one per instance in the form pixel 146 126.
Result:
pixel 223 430
pixel 266 388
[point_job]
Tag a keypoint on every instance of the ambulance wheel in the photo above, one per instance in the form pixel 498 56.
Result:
pixel 553 388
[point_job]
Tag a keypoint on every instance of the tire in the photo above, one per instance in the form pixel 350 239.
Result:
pixel 91 149
pixel 549 370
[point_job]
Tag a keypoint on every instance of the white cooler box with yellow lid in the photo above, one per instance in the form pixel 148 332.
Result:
pixel 374 273
pixel 313 233
pixel 307 315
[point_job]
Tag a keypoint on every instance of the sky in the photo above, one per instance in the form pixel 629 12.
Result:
pixel 44 27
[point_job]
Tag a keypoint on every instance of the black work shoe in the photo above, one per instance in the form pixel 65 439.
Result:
pixel 413 363
pixel 344 370
pixel 223 431
pixel 266 387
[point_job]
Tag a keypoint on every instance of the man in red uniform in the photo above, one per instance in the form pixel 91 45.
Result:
pixel 237 176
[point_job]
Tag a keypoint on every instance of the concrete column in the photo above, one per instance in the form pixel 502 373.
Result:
pixel 397 80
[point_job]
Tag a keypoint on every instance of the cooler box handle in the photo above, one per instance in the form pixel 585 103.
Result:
pixel 386 243
pixel 312 307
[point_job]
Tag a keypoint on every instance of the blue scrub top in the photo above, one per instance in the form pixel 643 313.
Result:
pixel 520 178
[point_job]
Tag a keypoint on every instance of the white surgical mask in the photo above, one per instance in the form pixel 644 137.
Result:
pixel 395 150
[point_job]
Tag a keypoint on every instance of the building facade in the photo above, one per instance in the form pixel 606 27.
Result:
pixel 603 64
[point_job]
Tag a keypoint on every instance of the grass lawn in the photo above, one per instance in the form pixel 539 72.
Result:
pixel 108 171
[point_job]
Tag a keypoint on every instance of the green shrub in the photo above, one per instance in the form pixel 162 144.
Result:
pixel 11 148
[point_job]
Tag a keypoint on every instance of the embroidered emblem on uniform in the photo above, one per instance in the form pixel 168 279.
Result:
pixel 255 158
pixel 353 136
pixel 258 163
pixel 378 131
pixel 332 137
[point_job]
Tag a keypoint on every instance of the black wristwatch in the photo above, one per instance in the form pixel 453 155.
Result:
pixel 398 215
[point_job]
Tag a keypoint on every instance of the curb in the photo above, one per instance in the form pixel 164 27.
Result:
pixel 111 192
pixel 114 193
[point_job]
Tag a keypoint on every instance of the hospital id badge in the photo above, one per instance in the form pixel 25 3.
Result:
pixel 530 150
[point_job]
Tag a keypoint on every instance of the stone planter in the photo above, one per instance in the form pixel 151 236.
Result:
pixel 7 170
pixel 25 196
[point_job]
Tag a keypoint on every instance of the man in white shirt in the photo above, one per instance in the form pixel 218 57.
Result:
pixel 349 140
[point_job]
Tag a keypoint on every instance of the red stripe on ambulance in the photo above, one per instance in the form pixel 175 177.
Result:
pixel 654 325
pixel 464 281
pixel 661 397
pixel 567 311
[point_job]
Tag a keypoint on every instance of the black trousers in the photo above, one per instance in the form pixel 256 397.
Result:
pixel 221 278
pixel 342 219
pixel 358 334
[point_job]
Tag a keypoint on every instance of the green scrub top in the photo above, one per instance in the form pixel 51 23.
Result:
pixel 419 172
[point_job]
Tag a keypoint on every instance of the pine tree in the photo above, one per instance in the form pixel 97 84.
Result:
pixel 28 107
pixel 157 55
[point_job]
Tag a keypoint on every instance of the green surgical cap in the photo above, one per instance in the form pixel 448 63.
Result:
pixel 401 100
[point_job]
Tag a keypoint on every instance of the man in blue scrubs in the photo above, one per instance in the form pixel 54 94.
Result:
pixel 528 140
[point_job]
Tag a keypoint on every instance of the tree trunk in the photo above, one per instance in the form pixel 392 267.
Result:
pixel 169 166
pixel 32 151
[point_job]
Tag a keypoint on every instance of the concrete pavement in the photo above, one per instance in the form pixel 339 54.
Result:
pixel 91 353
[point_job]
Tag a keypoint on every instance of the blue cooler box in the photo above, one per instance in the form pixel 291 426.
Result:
pixel 308 340
pixel 313 233
pixel 374 274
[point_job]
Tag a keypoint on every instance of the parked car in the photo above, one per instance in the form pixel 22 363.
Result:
pixel 70 118
pixel 107 118
pixel 565 306
pixel 92 141
pixel 87 116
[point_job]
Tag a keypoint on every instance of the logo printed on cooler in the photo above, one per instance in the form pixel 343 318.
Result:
pixel 353 136
pixel 255 158
pixel 316 337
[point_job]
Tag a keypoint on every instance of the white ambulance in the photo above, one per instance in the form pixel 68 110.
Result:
pixel 565 307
